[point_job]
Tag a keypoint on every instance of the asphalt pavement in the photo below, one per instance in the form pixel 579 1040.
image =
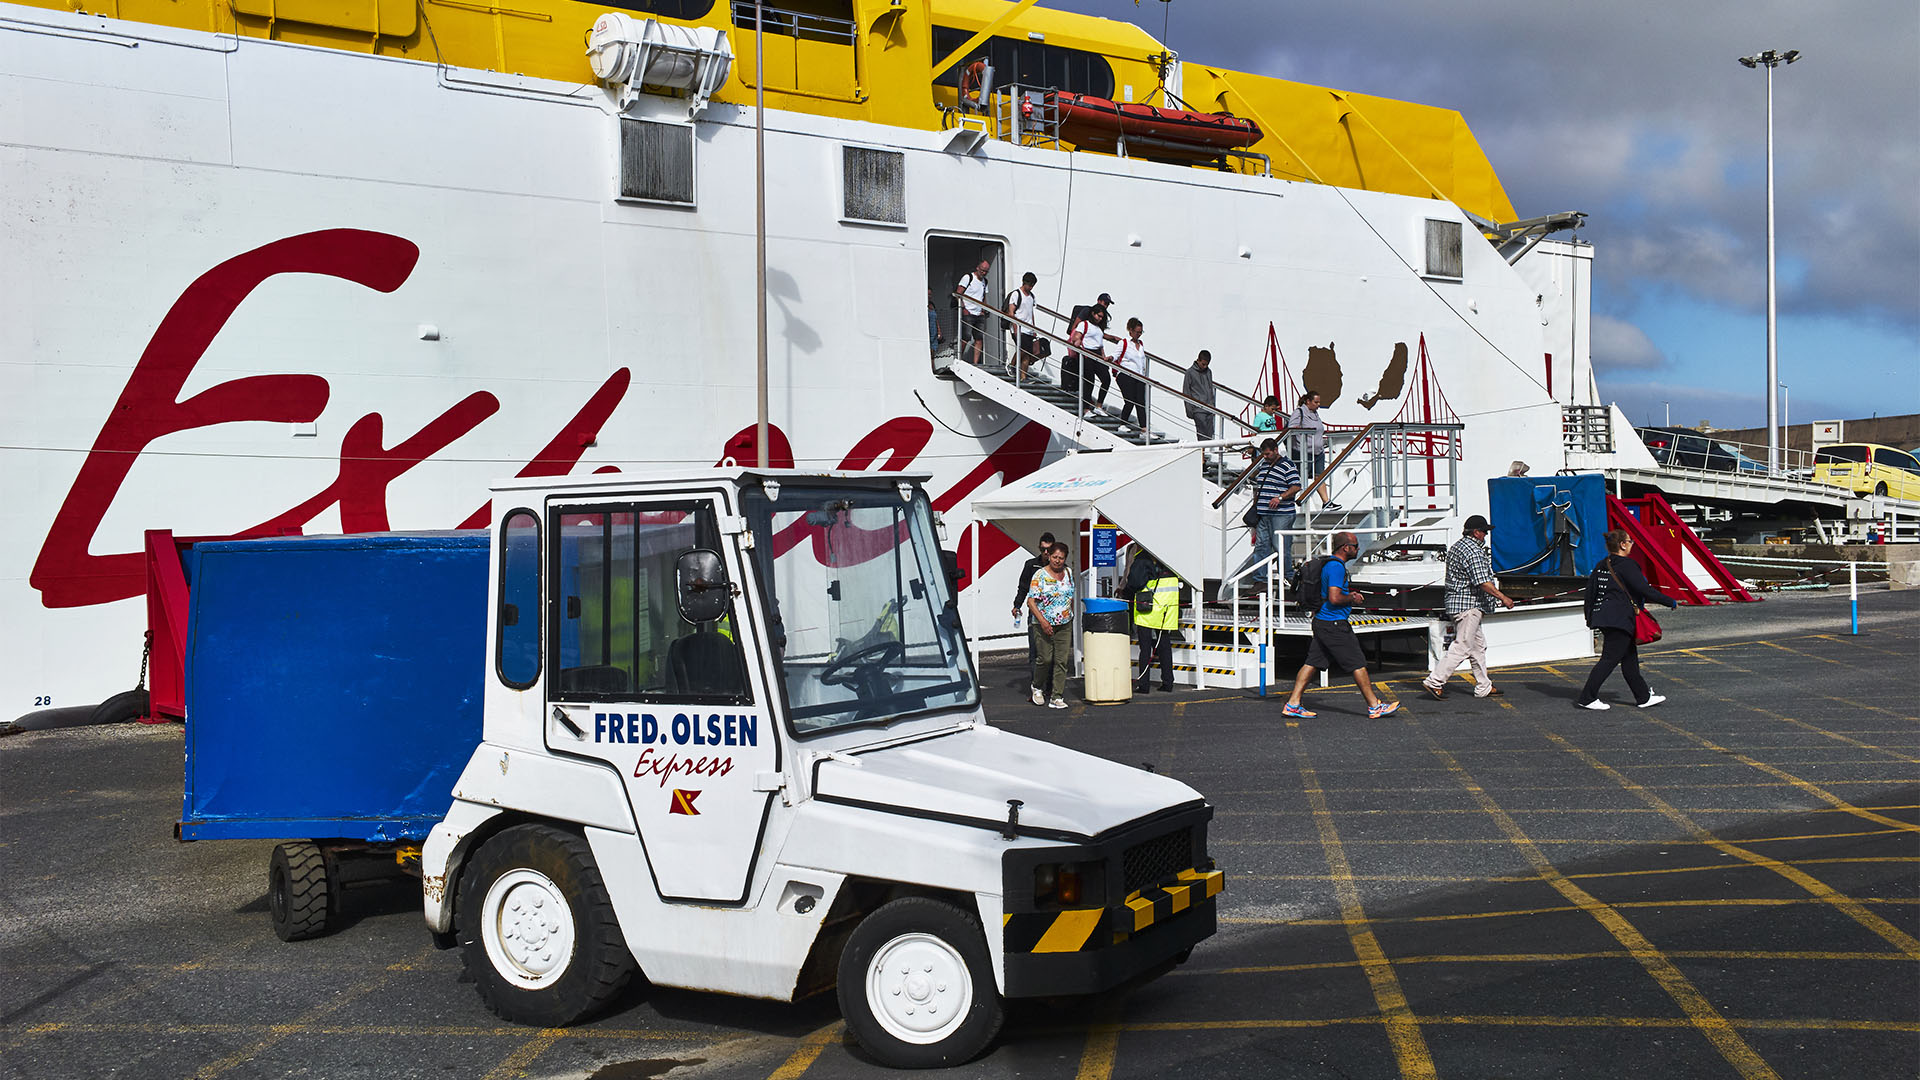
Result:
pixel 1727 885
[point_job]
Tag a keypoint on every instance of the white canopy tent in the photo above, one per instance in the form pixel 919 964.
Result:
pixel 1155 495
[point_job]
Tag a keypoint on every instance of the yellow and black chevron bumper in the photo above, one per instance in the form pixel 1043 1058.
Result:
pixel 1086 950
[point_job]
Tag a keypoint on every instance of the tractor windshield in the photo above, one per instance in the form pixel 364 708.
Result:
pixel 865 626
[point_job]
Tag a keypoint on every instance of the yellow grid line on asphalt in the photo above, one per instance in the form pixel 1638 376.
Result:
pixel 1753 785
pixel 1525 879
pixel 279 1032
pixel 807 1052
pixel 135 986
pixel 1807 786
pixel 1555 841
pixel 1824 697
pixel 1629 810
pixel 1817 889
pixel 1770 955
pixel 1511 913
pixel 515 1064
pixel 1646 766
pixel 1854 642
pixel 1402 1029
pixel 1704 1018
pixel 1103 1045
pixel 1770 1024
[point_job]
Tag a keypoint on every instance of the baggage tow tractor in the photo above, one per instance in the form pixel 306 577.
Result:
pixel 732 741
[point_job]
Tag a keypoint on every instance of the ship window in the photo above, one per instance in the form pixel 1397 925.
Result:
pixel 1028 63
pixel 874 184
pixel 685 10
pixel 656 162
pixel 1443 249
pixel 830 21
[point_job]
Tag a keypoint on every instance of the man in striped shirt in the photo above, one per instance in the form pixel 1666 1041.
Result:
pixel 1273 507
pixel 1471 595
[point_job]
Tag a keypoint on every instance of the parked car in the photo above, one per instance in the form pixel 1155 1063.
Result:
pixel 1867 468
pixel 1683 448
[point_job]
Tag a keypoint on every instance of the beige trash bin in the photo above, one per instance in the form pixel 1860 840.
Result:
pixel 1106 650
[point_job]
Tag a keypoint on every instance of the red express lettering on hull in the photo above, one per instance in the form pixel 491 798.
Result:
pixel 149 408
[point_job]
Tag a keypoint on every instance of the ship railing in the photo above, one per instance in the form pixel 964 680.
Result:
pixel 804 25
pixel 1026 116
pixel 1159 420
pixel 1380 478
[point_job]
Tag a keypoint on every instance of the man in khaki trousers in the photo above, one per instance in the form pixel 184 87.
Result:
pixel 1471 596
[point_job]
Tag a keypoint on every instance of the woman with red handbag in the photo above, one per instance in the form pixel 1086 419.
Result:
pixel 1617 599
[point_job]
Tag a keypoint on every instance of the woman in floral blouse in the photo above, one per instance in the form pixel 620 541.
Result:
pixel 1050 602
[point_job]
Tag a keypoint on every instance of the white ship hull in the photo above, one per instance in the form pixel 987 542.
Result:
pixel 249 284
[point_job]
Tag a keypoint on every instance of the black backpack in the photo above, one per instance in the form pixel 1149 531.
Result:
pixel 1305 582
pixel 1080 311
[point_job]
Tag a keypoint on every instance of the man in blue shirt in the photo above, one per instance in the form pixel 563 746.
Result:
pixel 1273 511
pixel 1334 643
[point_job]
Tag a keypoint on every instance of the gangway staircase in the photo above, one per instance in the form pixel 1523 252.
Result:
pixel 1045 403
pixel 1674 558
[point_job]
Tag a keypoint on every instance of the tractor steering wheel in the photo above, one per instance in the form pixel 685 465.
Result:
pixel 861 661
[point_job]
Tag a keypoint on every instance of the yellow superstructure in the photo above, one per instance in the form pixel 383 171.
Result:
pixel 875 60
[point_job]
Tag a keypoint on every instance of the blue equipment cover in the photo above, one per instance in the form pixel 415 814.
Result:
pixel 333 683
pixel 1527 511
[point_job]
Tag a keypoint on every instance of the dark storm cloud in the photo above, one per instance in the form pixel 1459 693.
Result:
pixel 1638 113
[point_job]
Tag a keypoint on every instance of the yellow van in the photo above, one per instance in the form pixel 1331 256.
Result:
pixel 1867 468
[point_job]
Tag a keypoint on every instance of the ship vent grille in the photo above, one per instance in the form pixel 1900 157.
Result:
pixel 1443 249
pixel 874 185
pixel 656 162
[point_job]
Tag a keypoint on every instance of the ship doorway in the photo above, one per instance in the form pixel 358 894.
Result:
pixel 949 260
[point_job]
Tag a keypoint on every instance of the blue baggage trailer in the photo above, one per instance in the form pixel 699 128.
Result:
pixel 333 695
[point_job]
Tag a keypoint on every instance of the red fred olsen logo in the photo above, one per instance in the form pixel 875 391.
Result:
pixel 683 803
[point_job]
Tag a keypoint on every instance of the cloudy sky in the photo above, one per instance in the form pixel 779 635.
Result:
pixel 1638 113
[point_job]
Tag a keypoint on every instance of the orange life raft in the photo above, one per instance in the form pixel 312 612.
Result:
pixel 1097 123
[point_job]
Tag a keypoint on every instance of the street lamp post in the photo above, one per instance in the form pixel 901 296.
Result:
pixel 1770 60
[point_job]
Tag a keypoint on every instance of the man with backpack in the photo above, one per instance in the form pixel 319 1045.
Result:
pixel 1020 307
pixel 1334 642
pixel 973 290
pixel 1156 615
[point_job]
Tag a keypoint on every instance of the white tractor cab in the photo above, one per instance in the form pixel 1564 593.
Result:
pixel 733 742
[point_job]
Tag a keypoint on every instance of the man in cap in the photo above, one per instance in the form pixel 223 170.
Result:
pixel 1471 594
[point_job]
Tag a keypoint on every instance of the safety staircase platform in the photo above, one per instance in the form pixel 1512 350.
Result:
pixel 1046 403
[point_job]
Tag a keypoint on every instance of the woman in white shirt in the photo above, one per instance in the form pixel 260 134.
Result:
pixel 1090 334
pixel 1131 355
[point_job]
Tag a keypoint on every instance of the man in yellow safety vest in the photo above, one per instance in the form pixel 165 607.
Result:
pixel 1156 615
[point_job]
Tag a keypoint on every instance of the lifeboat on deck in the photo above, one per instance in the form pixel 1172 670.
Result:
pixel 1096 123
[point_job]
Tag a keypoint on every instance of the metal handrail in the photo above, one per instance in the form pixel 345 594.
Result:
pixel 816 26
pixel 1100 358
pixel 1345 451
pixel 1154 357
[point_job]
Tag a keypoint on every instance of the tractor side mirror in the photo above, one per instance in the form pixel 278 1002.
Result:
pixel 704 591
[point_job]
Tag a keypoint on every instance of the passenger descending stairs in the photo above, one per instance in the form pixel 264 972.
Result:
pixel 1047 404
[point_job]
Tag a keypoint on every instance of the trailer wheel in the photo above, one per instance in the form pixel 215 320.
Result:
pixel 916 985
pixel 297 891
pixel 538 933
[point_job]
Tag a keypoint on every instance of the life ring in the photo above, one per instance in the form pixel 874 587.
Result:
pixel 970 80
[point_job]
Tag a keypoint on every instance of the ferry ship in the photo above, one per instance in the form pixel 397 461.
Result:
pixel 332 266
